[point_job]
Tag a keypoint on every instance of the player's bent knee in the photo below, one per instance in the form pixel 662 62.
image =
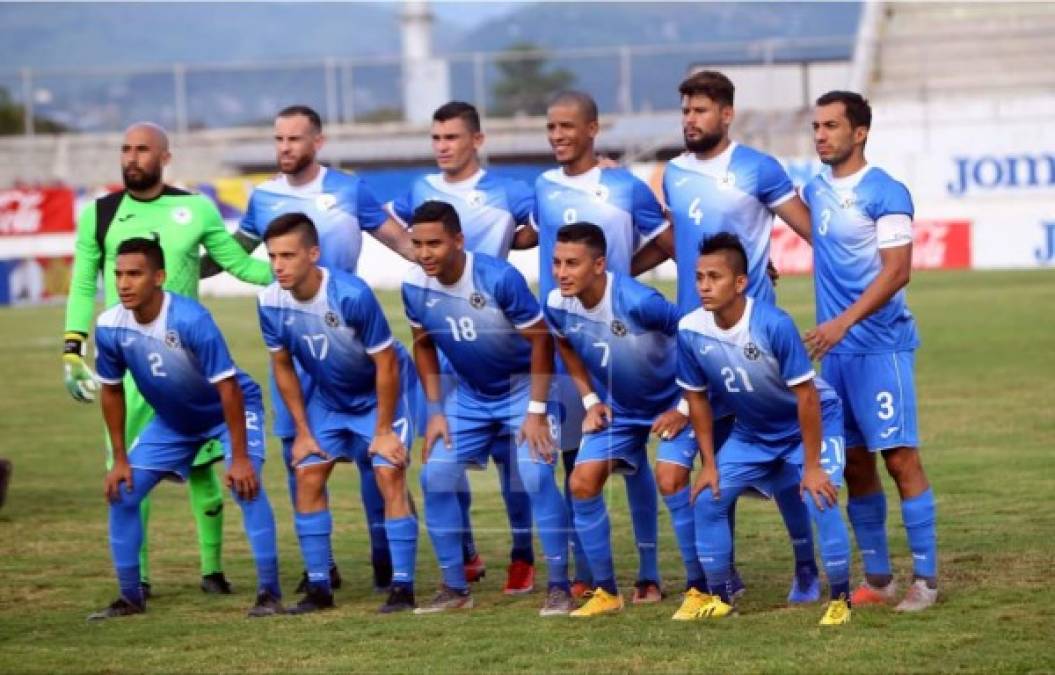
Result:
pixel 439 477
pixel 586 483
pixel 671 478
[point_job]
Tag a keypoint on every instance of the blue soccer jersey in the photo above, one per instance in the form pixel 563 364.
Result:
pixel 332 337
pixel 853 218
pixel 613 199
pixel 734 192
pixel 475 321
pixel 754 364
pixel 491 208
pixel 340 204
pixel 626 342
pixel 175 360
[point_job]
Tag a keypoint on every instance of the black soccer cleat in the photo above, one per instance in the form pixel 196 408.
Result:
pixel 119 607
pixel 313 601
pixel 144 588
pixel 216 584
pixel 335 580
pixel 382 576
pixel 266 605
pixel 400 599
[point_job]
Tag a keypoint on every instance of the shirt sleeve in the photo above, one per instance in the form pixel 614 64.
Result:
pixel 516 300
pixel 655 313
pixel 689 374
pixel 648 217
pixel 368 210
pixel 248 224
pixel 409 307
pixel 363 312
pixel 521 203
pixel 109 361
pixel 794 362
pixel 401 208
pixel 227 252
pixel 84 282
pixel 270 327
pixel 894 198
pixel 204 340
pixel 554 319
pixel 893 230
pixel 774 185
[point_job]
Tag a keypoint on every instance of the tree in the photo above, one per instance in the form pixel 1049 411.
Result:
pixel 526 81
pixel 13 118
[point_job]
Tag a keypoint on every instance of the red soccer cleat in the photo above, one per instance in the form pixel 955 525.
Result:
pixel 520 578
pixel 867 594
pixel 475 569
pixel 580 590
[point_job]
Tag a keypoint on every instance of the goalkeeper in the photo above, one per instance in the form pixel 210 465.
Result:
pixel 183 222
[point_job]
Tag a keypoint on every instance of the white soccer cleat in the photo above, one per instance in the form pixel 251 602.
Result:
pixel 919 597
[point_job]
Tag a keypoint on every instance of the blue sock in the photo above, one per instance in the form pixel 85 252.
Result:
pixel 518 511
pixel 868 517
pixel 641 495
pixel 595 531
pixel 291 479
pixel 797 522
pixel 403 540
pixel 313 531
pixel 259 522
pixel 582 564
pixel 465 502
pixel 440 482
pixel 835 547
pixel 919 514
pixel 550 513
pixel 126 533
pixel 374 508
pixel 684 523
pixel 714 545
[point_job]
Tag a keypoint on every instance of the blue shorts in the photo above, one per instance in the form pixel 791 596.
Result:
pixel 745 462
pixel 483 428
pixel 682 449
pixel 878 392
pixel 162 448
pixel 625 444
pixel 346 437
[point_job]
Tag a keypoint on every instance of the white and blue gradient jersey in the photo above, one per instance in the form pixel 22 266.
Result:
pixel 176 361
pixel 853 218
pixel 753 365
pixel 626 342
pixel 615 200
pixel 340 204
pixel 491 208
pixel 734 192
pixel 332 336
pixel 475 322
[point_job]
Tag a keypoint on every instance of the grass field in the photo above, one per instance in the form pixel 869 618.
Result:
pixel 986 387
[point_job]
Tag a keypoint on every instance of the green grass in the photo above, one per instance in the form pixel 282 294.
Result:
pixel 986 387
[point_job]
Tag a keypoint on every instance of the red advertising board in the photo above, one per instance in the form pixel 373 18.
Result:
pixel 36 211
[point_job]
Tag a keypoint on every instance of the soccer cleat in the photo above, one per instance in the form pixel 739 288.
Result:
pixel 382 576
pixel 601 602
pixel 867 594
pixel 520 578
pixel 736 585
pixel 119 607
pixel 475 569
pixel 558 603
pixel 919 597
pixel 691 605
pixel 144 588
pixel 266 605
pixel 445 600
pixel 714 608
pixel 837 613
pixel 400 599
pixel 216 584
pixel 646 593
pixel 581 590
pixel 313 601
pixel 335 580
pixel 805 588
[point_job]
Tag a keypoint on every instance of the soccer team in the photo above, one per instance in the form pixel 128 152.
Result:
pixel 583 374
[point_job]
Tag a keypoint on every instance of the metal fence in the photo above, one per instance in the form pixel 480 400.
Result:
pixel 187 97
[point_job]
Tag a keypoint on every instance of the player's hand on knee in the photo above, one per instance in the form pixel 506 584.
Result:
pixel 669 424
pixel 597 418
pixel 80 380
pixel 389 445
pixel 816 482
pixel 536 432
pixel 706 479
pixel 242 478
pixel 824 337
pixel 436 429
pixel 304 446
pixel 120 473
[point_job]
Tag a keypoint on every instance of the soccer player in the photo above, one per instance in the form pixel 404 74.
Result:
pixel 616 337
pixel 329 322
pixel 627 212
pixel 178 359
pixel 480 314
pixel 342 207
pixel 719 185
pixel 788 430
pixel 185 222
pixel 866 337
pixel 494 213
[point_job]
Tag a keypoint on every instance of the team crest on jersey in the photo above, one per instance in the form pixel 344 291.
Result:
pixel 846 199
pixel 600 193
pixel 727 181
pixel 475 198
pixel 751 351
pixel 477 300
pixel 181 215
pixel 325 202
pixel 331 319
pixel 618 328
pixel 172 339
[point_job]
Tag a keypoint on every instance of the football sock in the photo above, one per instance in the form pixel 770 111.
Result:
pixel 919 514
pixel 313 531
pixel 259 521
pixel 835 547
pixel 374 508
pixel 126 533
pixel 440 482
pixel 684 523
pixel 550 513
pixel 713 542
pixel 641 495
pixel 291 480
pixel 403 541
pixel 518 510
pixel 797 522
pixel 595 532
pixel 582 565
pixel 868 518
pixel 206 498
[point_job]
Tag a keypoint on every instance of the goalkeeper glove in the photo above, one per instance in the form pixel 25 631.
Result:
pixel 80 380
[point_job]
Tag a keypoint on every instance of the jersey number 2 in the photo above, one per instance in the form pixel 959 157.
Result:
pixel 155 365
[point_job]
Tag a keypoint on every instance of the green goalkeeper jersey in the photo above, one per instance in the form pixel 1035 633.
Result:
pixel 183 222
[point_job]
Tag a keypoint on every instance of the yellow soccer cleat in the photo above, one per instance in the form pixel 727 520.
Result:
pixel 600 603
pixel 694 601
pixel 837 613
pixel 714 608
